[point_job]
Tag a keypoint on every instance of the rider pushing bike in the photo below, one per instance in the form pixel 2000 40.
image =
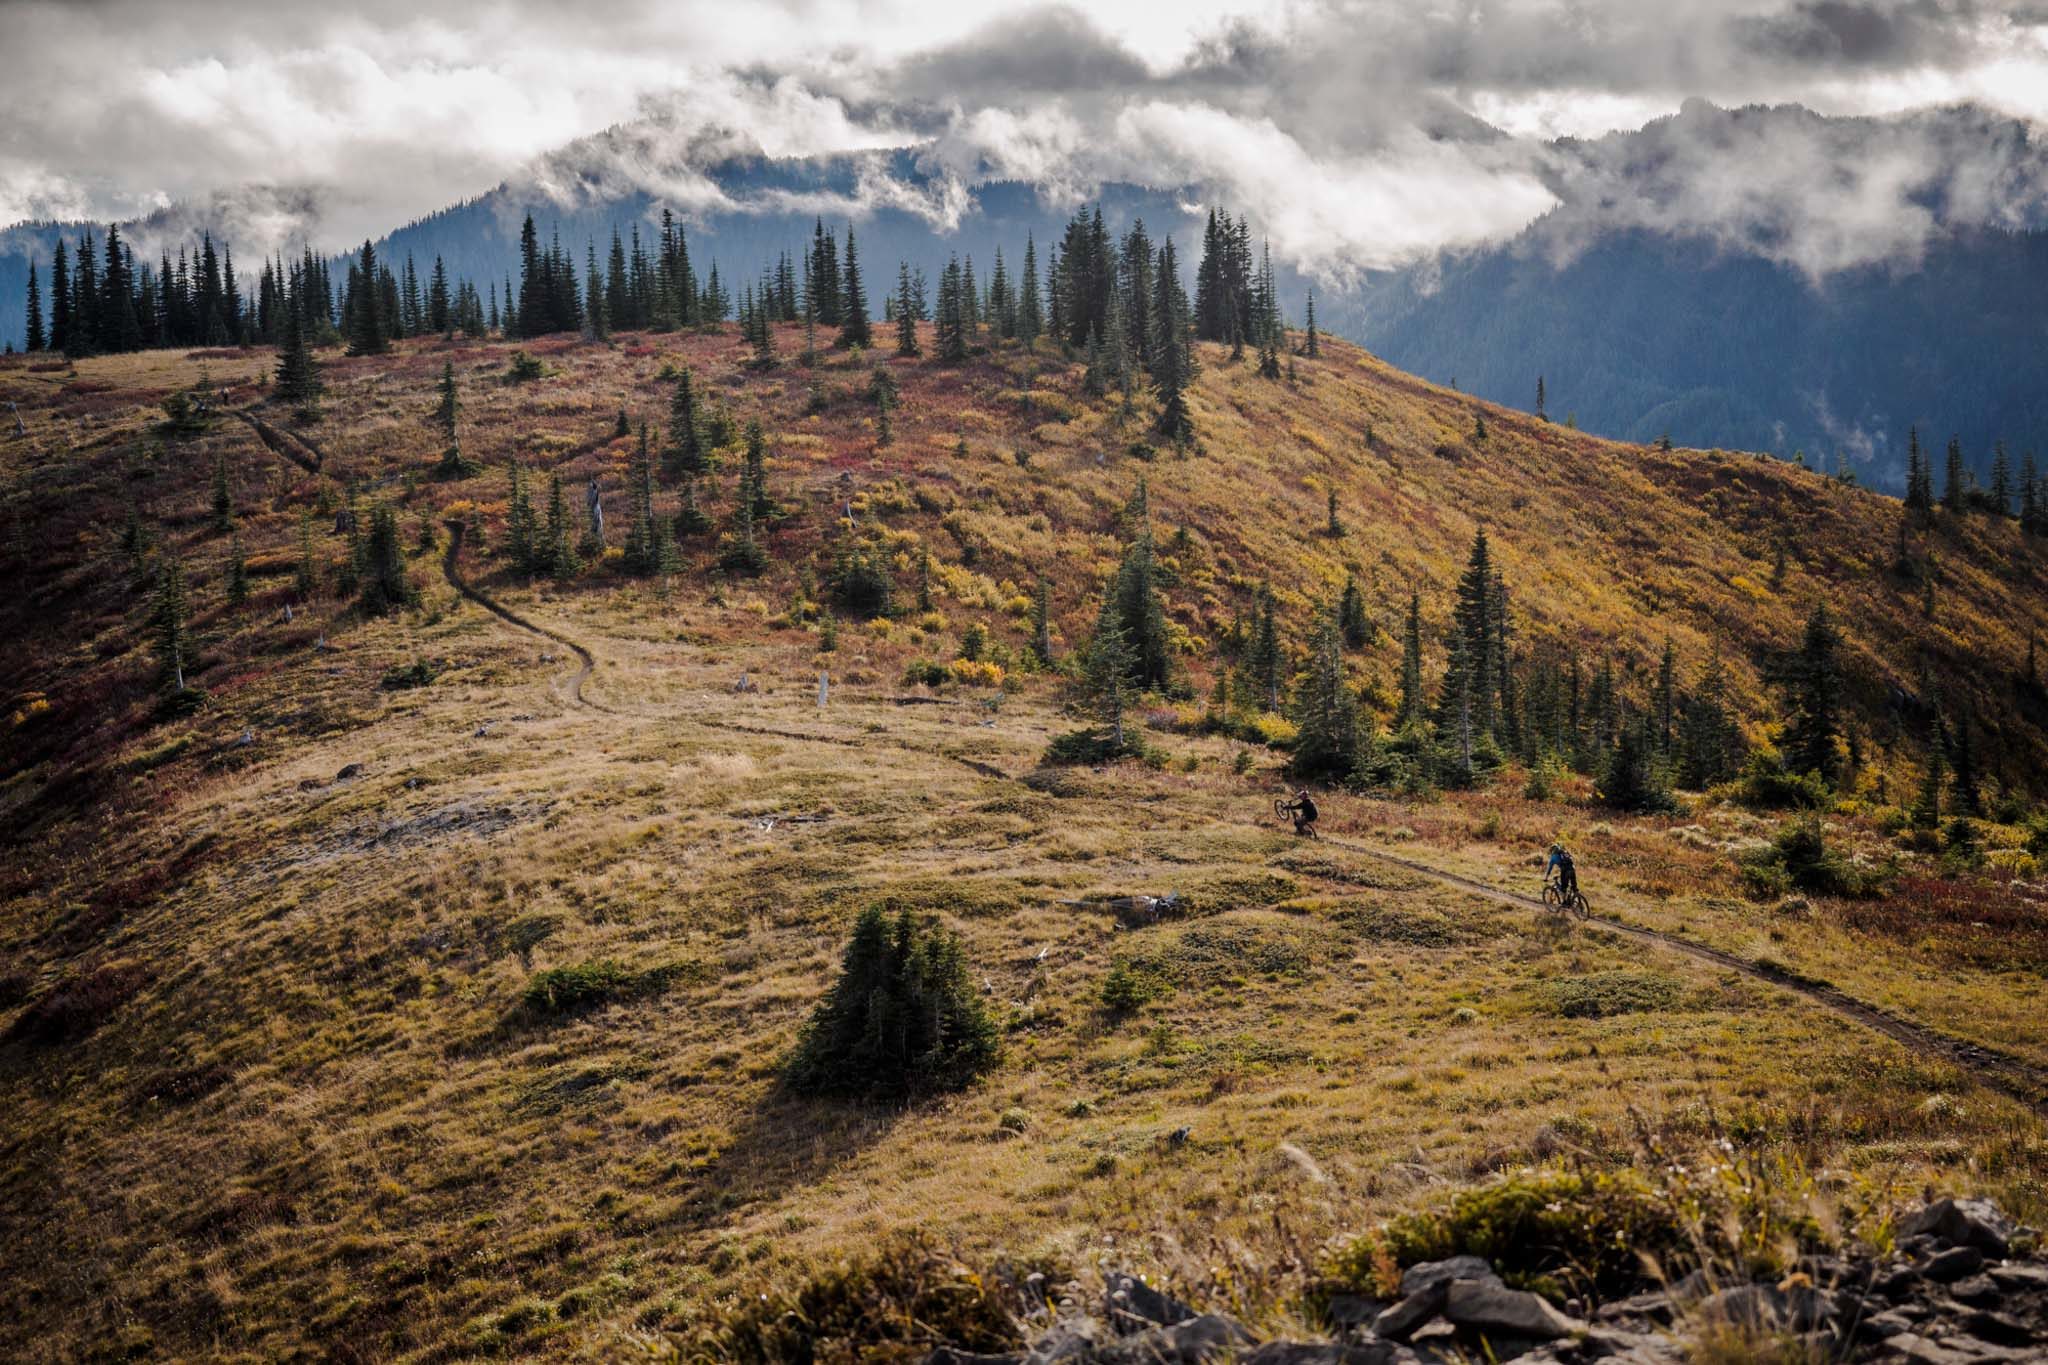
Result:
pixel 1303 809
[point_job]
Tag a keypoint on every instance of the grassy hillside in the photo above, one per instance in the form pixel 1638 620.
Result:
pixel 282 1078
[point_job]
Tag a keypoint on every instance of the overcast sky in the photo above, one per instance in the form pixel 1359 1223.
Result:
pixel 1368 132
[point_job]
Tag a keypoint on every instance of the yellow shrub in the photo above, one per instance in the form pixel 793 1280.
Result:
pixel 1020 605
pixel 2015 860
pixel 1275 729
pixel 932 621
pixel 882 628
pixel 976 672
pixel 29 710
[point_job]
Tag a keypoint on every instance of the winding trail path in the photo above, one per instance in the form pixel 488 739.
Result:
pixel 2020 1079
pixel 2013 1076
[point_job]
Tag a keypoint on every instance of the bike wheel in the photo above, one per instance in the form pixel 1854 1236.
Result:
pixel 1579 906
pixel 1549 896
pixel 1280 811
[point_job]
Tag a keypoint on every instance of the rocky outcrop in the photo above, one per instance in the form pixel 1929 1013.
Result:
pixel 1963 1287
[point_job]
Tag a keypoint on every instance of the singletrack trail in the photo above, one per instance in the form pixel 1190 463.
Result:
pixel 2013 1076
pixel 2020 1079
pixel 585 662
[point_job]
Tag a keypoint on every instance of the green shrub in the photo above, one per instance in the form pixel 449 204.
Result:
pixel 903 1018
pixel 899 1304
pixel 1130 986
pixel 1550 1231
pixel 1799 859
pixel 561 991
pixel 1767 784
pixel 525 368
pixel 1085 748
pixel 418 673
pixel 1604 994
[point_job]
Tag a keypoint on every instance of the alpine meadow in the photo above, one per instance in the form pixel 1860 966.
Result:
pixel 781 686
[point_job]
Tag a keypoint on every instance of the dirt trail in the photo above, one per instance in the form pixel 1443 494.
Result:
pixel 584 660
pixel 2013 1076
pixel 2021 1080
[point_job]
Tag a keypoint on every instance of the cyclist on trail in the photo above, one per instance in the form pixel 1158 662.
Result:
pixel 1304 808
pixel 1560 862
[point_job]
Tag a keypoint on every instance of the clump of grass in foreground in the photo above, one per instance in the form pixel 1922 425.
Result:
pixel 560 991
pixel 902 1018
pixel 899 1304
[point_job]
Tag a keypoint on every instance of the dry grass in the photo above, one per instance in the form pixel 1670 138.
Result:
pixel 323 1118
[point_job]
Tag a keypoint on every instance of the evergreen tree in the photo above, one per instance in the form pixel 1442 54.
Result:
pixel 1633 781
pixel 1030 308
pixel 1326 717
pixel 1412 703
pixel 686 449
pixel 522 541
pixel 1926 812
pixel 1111 662
pixel 1041 622
pixel 1919 479
pixel 906 312
pixel 1313 348
pixel 853 326
pixel 1357 631
pixel 1965 787
pixel 385 584
pixel 171 614
pixel 1812 682
pixel 1709 740
pixel 1954 484
pixel 449 408
pixel 37 339
pixel 1141 615
pixel 238 572
pixel 60 300
pixel 223 496
pixel 1666 702
pixel 1541 415
pixel 950 331
pixel 2001 480
pixel 903 1018
pixel 650 546
pixel 558 556
pixel 366 322
pixel 298 377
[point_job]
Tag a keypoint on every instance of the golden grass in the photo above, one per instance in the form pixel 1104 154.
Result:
pixel 323 1121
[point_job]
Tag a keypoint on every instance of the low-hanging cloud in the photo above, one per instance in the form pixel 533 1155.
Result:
pixel 1361 133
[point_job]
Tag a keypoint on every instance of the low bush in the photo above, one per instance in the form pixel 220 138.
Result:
pixel 78 1005
pixel 1767 784
pixel 1130 986
pixel 1086 748
pixel 1605 994
pixel 418 673
pixel 562 991
pixel 525 368
pixel 1799 859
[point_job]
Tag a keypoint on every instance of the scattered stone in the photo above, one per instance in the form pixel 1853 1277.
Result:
pixel 1766 1307
pixel 1958 1262
pixel 1131 1305
pixel 1976 1223
pixel 351 770
pixel 1977 1291
pixel 1066 1341
pixel 1187 1343
pixel 2000 1328
pixel 1883 1326
pixel 946 1355
pixel 2021 1275
pixel 1331 1353
pixel 1351 1312
pixel 1423 1289
pixel 1488 1305
pixel 1912 1349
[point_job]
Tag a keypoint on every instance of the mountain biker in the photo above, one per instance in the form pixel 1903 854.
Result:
pixel 1560 862
pixel 1304 808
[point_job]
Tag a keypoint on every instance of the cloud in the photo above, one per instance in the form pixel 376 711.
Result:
pixel 1818 194
pixel 1364 132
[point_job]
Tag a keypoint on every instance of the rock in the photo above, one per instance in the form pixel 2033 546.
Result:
pixel 1438 1274
pixel 946 1355
pixel 2021 1275
pixel 1066 1341
pixel 2001 1328
pixel 1331 1353
pixel 348 771
pixel 1131 1305
pixel 1766 1307
pixel 1978 1290
pixel 1185 1343
pixel 1651 1307
pixel 1895 1282
pixel 1347 1312
pixel 1909 1348
pixel 1975 1223
pixel 1957 1263
pixel 1883 1326
pixel 1489 1306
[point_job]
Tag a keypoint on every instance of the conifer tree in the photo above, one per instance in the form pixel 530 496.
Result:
pixel 36 338
pixel 170 616
pixel 853 326
pixel 1041 622
pixel 686 450
pixel 386 586
pixel 1709 741
pixel 1954 485
pixel 298 377
pixel 1812 682
pixel 1412 703
pixel 238 572
pixel 1111 662
pixel 1965 787
pixel 906 312
pixel 522 541
pixel 2001 480
pixel 1313 348
pixel 903 1018
pixel 60 339
pixel 1352 623
pixel 1030 308
pixel 1326 717
pixel 558 557
pixel 1926 812
pixel 223 505
pixel 367 324
pixel 449 408
pixel 1919 478
pixel 1666 702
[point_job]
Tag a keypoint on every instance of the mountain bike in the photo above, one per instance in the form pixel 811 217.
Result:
pixel 1555 897
pixel 1284 809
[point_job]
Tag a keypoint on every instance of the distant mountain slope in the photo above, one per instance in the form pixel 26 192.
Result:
pixel 1643 336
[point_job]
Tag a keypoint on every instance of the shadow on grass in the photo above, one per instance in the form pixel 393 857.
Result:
pixel 787 1141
